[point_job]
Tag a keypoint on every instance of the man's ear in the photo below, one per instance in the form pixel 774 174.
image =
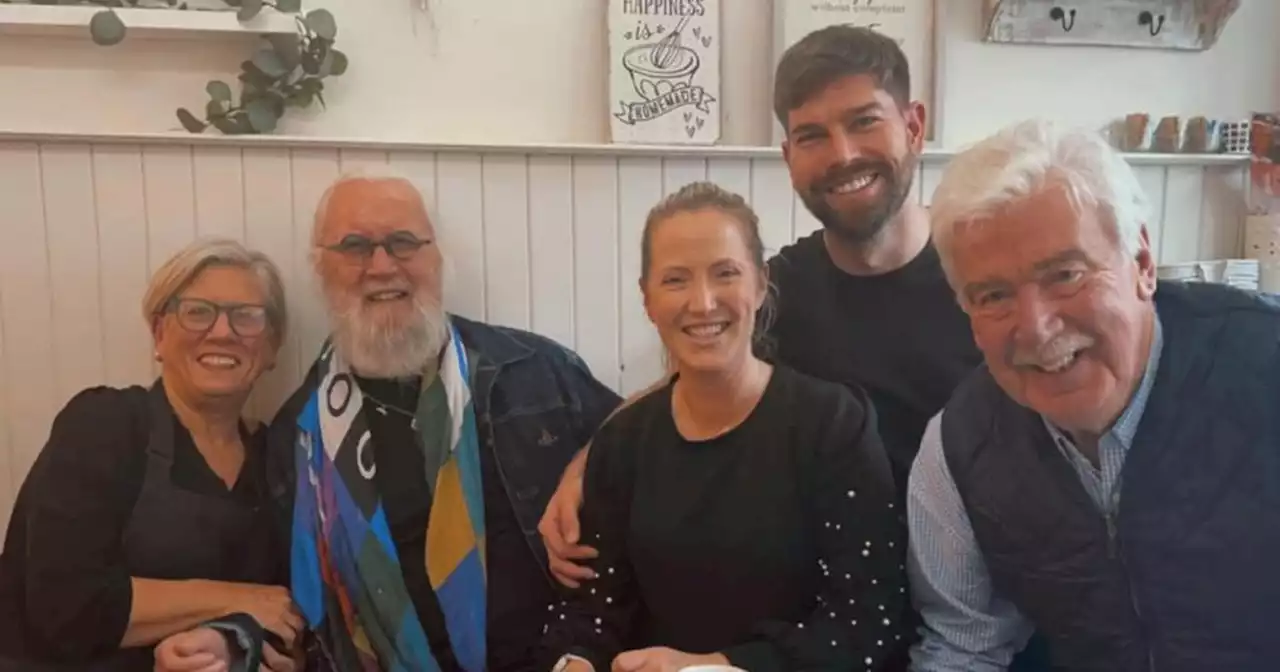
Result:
pixel 1146 262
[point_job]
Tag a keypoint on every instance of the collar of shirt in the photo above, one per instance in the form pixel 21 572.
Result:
pixel 1113 446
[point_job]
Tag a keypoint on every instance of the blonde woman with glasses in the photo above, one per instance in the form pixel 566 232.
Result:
pixel 143 516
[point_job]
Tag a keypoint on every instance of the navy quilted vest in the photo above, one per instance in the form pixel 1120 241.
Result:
pixel 1188 579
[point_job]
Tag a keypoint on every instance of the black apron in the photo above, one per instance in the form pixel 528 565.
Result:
pixel 174 533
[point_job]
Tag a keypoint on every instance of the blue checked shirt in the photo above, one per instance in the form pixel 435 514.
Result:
pixel 967 626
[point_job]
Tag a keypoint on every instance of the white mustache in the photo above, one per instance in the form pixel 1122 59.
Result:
pixel 1053 351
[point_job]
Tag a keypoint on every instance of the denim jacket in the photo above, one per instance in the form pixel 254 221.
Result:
pixel 536 406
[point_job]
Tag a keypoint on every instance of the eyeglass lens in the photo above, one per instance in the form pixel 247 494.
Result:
pixel 199 315
pixel 401 244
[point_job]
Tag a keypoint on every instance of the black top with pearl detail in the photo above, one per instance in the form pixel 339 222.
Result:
pixel 778 544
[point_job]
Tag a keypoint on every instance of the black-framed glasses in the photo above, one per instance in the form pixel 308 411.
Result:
pixel 400 245
pixel 198 316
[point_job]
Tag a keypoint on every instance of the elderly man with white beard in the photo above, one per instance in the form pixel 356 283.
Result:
pixel 413 464
pixel 1111 477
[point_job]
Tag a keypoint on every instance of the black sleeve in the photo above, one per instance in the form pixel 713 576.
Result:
pixel 862 611
pixel 76 501
pixel 597 618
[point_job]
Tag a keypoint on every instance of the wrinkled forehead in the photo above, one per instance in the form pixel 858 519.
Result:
pixel 374 208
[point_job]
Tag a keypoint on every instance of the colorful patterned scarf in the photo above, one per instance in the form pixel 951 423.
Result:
pixel 346 576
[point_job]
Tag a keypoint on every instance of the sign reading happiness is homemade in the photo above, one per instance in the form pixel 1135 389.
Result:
pixel 664 71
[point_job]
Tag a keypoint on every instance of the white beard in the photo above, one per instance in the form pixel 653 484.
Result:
pixel 388 348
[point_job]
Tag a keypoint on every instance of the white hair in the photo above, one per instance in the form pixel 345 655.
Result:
pixel 366 172
pixel 1021 160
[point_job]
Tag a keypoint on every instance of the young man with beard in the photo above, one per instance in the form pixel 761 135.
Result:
pixel 411 467
pixel 863 301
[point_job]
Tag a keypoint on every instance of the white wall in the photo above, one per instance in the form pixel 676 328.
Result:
pixel 513 71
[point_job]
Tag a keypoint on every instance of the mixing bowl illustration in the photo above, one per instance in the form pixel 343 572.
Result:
pixel 658 69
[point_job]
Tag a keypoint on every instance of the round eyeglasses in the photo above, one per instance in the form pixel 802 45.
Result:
pixel 198 316
pixel 400 245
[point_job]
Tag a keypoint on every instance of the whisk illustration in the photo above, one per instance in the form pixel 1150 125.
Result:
pixel 667 49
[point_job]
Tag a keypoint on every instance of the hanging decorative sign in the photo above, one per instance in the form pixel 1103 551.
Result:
pixel 909 22
pixel 664 71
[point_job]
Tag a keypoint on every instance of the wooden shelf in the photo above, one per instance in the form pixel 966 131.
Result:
pixel 931 155
pixel 73 20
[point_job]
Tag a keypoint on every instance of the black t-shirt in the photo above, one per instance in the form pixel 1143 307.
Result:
pixel 777 543
pixel 901 336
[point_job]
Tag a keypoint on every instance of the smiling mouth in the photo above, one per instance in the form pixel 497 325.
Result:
pixel 856 183
pixel 706 331
pixel 386 295
pixel 218 361
pixel 1058 365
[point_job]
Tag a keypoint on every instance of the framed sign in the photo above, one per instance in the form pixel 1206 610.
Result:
pixel 911 22
pixel 664 71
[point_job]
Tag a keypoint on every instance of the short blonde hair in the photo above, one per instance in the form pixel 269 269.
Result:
pixel 182 269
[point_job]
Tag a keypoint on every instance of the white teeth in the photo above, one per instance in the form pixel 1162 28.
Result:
pixel 703 330
pixel 856 184
pixel 388 295
pixel 1058 364
pixel 221 361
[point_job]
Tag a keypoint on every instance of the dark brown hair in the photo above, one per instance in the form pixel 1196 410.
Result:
pixel 697 196
pixel 829 54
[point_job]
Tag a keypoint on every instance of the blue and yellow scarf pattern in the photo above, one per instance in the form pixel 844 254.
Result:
pixel 346 576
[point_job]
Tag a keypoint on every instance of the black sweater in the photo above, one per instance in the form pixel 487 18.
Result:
pixel 777 544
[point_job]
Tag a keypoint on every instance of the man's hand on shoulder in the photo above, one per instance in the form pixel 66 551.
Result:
pixel 560 528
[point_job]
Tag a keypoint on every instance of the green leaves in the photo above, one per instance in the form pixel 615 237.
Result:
pixel 249 9
pixel 189 121
pixel 218 90
pixel 268 62
pixel 320 22
pixel 262 115
pixel 106 28
pixel 284 71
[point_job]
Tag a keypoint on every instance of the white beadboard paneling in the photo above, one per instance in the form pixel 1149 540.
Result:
pixel 679 172
pixel 71 234
pixel 505 186
pixel 361 160
pixel 1151 179
pixel 313 170
pixel 595 261
pixel 26 299
pixel 1183 200
pixel 219 192
pixel 640 186
pixel 122 252
pixel 1221 221
pixel 170 195
pixel 8 490
pixel 732 174
pixel 269 228
pixel 420 169
pixel 548 240
pixel 772 199
pixel 551 246
pixel 460 225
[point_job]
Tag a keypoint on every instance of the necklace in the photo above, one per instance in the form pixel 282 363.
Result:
pixel 383 406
